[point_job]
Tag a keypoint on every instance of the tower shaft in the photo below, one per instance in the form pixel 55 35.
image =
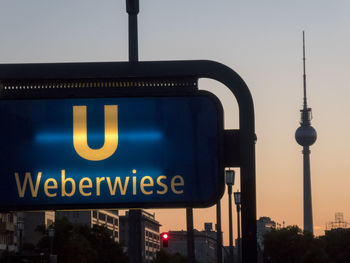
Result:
pixel 308 221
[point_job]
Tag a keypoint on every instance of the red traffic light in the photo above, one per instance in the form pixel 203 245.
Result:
pixel 164 238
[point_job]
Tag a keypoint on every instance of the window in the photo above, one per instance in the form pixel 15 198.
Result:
pixel 101 216
pixel 49 222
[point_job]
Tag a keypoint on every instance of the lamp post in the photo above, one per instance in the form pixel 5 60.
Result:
pixel 20 227
pixel 237 196
pixel 230 180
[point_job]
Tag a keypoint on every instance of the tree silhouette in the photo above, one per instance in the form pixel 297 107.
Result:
pixel 165 257
pixel 291 245
pixel 80 243
pixel 337 245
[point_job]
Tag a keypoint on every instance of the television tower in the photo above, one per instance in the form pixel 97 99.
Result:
pixel 306 135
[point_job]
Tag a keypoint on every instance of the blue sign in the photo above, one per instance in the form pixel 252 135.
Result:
pixel 110 152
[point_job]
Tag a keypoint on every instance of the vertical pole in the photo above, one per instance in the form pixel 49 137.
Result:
pixel 135 232
pixel 135 246
pixel 230 221
pixel 132 8
pixel 51 245
pixel 20 240
pixel 248 194
pixel 218 233
pixel 239 233
pixel 190 237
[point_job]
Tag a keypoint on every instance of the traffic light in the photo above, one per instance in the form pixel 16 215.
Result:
pixel 165 238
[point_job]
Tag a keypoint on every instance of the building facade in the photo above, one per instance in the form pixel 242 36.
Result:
pixel 139 223
pixel 31 221
pixel 20 228
pixel 205 243
pixel 263 225
pixel 8 232
pixel 107 218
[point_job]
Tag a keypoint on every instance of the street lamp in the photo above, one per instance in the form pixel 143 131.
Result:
pixel 20 227
pixel 230 180
pixel 237 196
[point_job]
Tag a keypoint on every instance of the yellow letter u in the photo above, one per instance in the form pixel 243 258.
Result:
pixel 80 133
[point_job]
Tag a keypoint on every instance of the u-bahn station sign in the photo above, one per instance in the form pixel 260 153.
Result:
pixel 110 151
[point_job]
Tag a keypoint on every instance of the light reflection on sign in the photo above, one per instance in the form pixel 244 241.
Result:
pixel 144 136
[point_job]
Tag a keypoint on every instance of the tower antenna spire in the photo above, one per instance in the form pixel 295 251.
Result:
pixel 304 72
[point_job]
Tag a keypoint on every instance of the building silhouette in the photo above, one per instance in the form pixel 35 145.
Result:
pixel 263 225
pixel 306 135
pixel 31 221
pixel 140 230
pixel 205 244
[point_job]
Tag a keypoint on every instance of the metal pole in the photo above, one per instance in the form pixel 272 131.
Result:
pixel 190 237
pixel 230 221
pixel 20 240
pixel 135 248
pixel 135 231
pixel 218 233
pixel 51 245
pixel 239 234
pixel 248 190
pixel 132 8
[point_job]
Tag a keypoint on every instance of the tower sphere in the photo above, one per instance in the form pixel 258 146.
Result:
pixel 305 135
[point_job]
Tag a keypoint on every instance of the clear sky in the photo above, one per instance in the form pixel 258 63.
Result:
pixel 261 41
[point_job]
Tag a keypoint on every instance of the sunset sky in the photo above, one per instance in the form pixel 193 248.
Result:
pixel 262 42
